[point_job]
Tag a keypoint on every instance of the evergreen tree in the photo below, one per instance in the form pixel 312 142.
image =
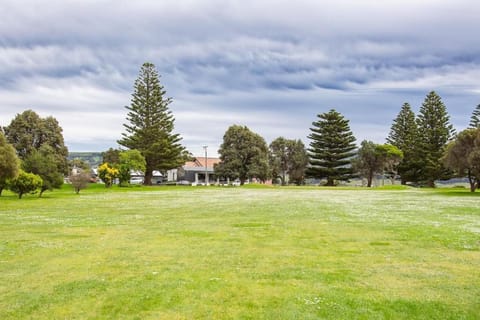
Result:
pixel 435 131
pixel 331 149
pixel 475 119
pixel 150 125
pixel 404 136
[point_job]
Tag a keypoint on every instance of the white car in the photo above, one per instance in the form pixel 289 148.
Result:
pixel 136 180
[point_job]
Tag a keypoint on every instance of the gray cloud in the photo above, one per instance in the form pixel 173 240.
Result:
pixel 271 65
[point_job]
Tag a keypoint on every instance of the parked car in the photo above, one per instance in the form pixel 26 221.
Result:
pixel 136 180
pixel 236 183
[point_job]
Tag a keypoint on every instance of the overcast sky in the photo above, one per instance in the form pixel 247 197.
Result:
pixel 270 65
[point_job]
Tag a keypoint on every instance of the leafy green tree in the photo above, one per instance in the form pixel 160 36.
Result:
pixel 108 174
pixel 9 162
pixel 435 131
pixel 150 125
pixel 288 160
pixel 24 133
pixel 404 135
pixel 52 135
pixel 44 163
pixel 331 149
pixel 475 119
pixel 129 160
pixel 375 159
pixel 392 157
pixel 300 160
pixel 25 183
pixel 111 156
pixel 243 154
pixel 369 161
pixel 28 132
pixel 261 169
pixel 463 156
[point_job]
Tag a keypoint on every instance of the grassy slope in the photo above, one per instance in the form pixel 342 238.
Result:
pixel 248 253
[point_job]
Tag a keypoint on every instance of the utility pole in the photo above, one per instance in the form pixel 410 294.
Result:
pixel 206 169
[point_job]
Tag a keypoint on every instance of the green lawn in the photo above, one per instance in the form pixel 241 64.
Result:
pixel 240 253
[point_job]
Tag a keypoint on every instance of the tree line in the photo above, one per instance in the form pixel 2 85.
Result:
pixel 33 155
pixel 420 149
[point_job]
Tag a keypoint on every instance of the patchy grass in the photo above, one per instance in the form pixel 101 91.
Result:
pixel 248 253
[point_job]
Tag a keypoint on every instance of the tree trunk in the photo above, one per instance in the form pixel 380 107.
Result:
pixel 330 182
pixel 473 186
pixel 148 175
pixel 148 178
pixel 431 183
pixel 472 181
pixel 403 182
pixel 369 179
pixel 1 189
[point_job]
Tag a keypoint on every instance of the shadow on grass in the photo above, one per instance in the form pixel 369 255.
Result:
pixel 457 192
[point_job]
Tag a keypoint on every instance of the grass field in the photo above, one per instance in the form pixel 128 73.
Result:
pixel 240 253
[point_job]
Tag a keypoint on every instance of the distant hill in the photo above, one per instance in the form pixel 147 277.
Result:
pixel 94 159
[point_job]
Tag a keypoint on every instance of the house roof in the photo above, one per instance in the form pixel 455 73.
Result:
pixel 199 162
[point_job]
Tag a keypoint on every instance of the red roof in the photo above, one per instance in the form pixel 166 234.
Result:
pixel 200 162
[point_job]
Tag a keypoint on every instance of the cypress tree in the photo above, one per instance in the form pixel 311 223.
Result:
pixel 151 123
pixel 435 131
pixel 331 149
pixel 404 135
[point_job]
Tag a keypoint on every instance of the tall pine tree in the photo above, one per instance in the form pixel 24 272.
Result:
pixel 331 149
pixel 435 131
pixel 475 119
pixel 404 135
pixel 151 123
